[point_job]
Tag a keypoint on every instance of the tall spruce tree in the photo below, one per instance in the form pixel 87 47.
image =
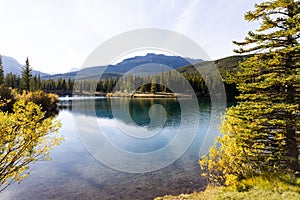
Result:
pixel 26 76
pixel 153 85
pixel 264 126
pixel 1 72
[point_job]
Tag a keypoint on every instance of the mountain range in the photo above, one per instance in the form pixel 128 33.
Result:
pixel 11 65
pixel 183 65
pixel 126 65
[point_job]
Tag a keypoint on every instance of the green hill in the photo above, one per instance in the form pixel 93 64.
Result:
pixel 225 66
pixel 206 71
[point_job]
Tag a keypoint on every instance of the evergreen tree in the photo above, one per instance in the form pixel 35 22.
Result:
pixel 12 80
pixel 26 76
pixel 1 72
pixel 143 88
pixel 161 81
pixel 265 124
pixel 70 85
pixel 153 86
pixel 38 82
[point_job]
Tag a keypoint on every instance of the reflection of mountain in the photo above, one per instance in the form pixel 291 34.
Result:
pixel 138 109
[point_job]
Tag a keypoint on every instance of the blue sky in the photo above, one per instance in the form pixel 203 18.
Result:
pixel 58 35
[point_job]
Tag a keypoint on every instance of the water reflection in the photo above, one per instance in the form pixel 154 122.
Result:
pixel 138 108
pixel 132 147
pixel 75 174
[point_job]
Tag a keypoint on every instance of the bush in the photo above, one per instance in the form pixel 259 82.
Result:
pixel 8 97
pixel 225 164
pixel 46 101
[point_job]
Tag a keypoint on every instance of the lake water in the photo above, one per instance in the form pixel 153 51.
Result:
pixel 83 167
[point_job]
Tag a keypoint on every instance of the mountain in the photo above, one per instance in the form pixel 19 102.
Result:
pixel 12 65
pixel 183 65
pixel 171 61
pixel 225 65
pixel 126 65
pixel 74 69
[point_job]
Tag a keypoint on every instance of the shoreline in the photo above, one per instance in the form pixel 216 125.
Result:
pixel 125 94
pixel 149 95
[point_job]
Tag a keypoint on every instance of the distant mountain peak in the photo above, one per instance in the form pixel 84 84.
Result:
pixel 11 65
pixel 128 64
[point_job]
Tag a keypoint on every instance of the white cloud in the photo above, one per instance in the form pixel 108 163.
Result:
pixel 58 35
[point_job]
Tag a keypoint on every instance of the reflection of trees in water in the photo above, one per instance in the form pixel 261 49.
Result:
pixel 26 136
pixel 138 108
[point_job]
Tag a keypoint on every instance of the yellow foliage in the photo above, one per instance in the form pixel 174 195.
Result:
pixel 225 164
pixel 46 101
pixel 26 136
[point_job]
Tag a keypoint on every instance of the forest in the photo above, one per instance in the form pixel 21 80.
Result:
pixel 128 83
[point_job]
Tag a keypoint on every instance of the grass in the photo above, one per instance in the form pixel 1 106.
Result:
pixel 258 188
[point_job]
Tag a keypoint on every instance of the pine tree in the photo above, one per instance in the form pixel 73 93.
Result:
pixel 143 88
pixel 153 85
pixel 71 83
pixel 270 86
pixel 38 82
pixel 1 72
pixel 26 76
pixel 265 122
pixel 161 81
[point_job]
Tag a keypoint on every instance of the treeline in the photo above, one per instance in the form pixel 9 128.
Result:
pixel 26 87
pixel 29 82
pixel 26 81
pixel 164 82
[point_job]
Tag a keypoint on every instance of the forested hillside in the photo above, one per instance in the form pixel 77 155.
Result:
pixel 63 84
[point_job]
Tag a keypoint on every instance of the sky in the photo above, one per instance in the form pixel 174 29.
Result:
pixel 58 35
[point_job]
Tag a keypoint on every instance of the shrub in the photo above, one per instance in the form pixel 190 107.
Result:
pixel 8 96
pixel 46 101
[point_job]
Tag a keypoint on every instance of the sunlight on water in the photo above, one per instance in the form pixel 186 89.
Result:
pixel 73 171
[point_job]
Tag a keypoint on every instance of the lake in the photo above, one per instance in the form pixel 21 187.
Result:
pixel 118 148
